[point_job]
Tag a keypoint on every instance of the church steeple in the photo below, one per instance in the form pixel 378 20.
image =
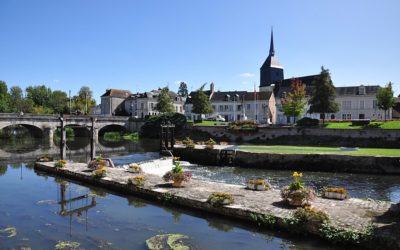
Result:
pixel 271 46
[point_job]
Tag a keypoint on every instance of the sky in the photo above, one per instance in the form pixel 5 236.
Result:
pixel 143 45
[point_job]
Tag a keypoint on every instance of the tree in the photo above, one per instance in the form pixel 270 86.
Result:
pixel 164 102
pixel 183 91
pixel 323 97
pixel 40 95
pixel 293 104
pixel 384 98
pixel 201 102
pixel 84 100
pixel 58 101
pixel 17 99
pixel 4 97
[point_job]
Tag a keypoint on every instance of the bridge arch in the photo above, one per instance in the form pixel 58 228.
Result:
pixel 111 128
pixel 33 130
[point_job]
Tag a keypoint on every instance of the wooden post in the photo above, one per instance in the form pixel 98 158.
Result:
pixel 92 139
pixel 63 140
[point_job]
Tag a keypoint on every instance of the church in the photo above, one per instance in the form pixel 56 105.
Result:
pixel 355 102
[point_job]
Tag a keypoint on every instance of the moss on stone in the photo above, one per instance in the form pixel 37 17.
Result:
pixel 169 241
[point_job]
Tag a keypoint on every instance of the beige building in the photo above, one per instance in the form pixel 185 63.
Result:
pixel 144 104
pixel 112 102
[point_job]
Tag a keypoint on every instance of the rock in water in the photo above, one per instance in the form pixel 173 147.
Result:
pixel 169 242
pixel 61 245
pixel 8 232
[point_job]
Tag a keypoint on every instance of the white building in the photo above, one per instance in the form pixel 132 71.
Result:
pixel 237 105
pixel 143 104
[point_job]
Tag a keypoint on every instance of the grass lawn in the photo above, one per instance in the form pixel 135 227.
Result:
pixel 209 123
pixel 318 150
pixel 378 125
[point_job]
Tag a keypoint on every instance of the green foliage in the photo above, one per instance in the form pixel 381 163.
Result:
pixel 177 169
pixel 323 97
pixel 16 95
pixel 218 199
pixel 307 122
pixel 264 220
pixel 118 136
pixel 201 102
pixel 293 104
pixel 183 91
pixel 336 234
pixel 210 143
pixel 385 99
pixel 84 101
pixel 243 125
pixel 4 98
pixel 151 127
pixel 167 197
pixel 164 102
pixel 189 143
pixel 58 102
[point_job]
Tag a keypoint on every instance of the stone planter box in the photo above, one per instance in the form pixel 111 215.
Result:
pixel 334 195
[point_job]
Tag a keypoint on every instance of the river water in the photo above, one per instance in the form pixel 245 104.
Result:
pixel 45 209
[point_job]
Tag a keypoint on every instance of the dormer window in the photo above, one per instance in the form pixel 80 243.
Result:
pixel 361 90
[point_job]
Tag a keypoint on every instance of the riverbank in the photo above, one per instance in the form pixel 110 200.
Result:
pixel 257 207
pixel 327 159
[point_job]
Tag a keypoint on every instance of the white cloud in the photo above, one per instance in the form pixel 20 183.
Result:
pixel 247 75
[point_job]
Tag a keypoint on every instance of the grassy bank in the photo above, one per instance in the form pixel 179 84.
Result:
pixel 376 125
pixel 117 136
pixel 278 149
pixel 209 123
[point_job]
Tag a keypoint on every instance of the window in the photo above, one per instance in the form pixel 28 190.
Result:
pixel 221 107
pixel 248 106
pixel 343 116
pixel 374 105
pixel 176 108
pixel 348 116
pixel 362 105
pixel 361 116
pixel 346 105
pixel 230 108
pixel 239 107
pixel 226 107
pixel 142 107
pixel 152 106
pixel 180 109
pixel 213 107
pixel 361 90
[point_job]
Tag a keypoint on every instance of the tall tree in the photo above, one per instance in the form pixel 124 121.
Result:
pixel 4 97
pixel 183 90
pixel 293 104
pixel 384 98
pixel 201 102
pixel 17 98
pixel 164 101
pixel 323 97
pixel 40 95
pixel 58 101
pixel 84 101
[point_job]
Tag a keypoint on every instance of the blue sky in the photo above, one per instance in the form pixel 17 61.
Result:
pixel 143 45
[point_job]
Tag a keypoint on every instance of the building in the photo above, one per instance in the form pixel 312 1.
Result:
pixel 237 105
pixel 355 102
pixel 143 104
pixel 396 108
pixel 112 102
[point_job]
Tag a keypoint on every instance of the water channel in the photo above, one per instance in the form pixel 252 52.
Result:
pixel 45 209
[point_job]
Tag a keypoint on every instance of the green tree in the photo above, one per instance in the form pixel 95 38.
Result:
pixel 17 99
pixel 4 97
pixel 384 98
pixel 40 95
pixel 201 102
pixel 58 101
pixel 293 104
pixel 164 102
pixel 84 101
pixel 183 91
pixel 323 97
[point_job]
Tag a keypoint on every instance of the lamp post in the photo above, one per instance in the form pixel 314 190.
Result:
pixel 235 97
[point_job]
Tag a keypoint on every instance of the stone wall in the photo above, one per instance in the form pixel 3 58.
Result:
pixel 310 162
pixel 385 138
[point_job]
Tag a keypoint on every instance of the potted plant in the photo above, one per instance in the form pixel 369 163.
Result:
pixel 137 180
pixel 44 158
pixel 296 194
pixel 312 218
pixel 223 143
pixel 100 173
pixel 210 143
pixel 335 193
pixel 189 143
pixel 177 176
pixel 60 163
pixel 258 184
pixel 134 168
pixel 218 199
pixel 98 163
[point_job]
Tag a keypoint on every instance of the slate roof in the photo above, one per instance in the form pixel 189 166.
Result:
pixel 354 90
pixel 117 93
pixel 152 94
pixel 221 96
pixel 285 85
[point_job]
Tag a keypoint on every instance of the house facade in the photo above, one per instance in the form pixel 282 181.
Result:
pixel 237 105
pixel 143 104
pixel 112 102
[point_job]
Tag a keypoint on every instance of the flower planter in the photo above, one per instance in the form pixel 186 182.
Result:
pixel 225 202
pixel 296 202
pixel 250 186
pixel 334 195
pixel 179 183
pixel 260 187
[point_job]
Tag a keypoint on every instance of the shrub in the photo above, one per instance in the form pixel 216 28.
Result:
pixel 210 143
pixel 189 143
pixel 243 125
pixel 360 122
pixel 307 122
pixel 218 199
pixel 60 163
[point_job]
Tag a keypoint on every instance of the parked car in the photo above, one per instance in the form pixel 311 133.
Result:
pixel 217 118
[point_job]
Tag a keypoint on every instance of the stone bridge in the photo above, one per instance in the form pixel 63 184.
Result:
pixel 45 125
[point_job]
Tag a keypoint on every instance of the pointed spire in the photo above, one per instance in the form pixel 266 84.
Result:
pixel 271 46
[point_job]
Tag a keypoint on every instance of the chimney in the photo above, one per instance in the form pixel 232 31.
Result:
pixel 212 87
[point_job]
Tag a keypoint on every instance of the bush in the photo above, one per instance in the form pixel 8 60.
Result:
pixel 360 122
pixel 151 127
pixel 210 144
pixel 307 122
pixel 243 125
